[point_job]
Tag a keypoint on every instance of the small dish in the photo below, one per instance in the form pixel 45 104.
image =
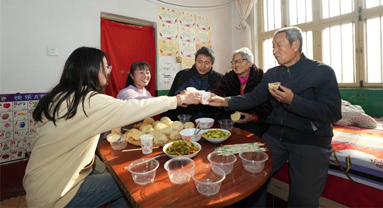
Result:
pixel 205 123
pixel 167 146
pixel 216 135
pixel 189 134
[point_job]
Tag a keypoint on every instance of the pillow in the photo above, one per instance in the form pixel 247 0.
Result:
pixel 355 115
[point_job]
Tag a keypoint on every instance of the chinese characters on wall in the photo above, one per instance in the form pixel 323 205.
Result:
pixel 17 128
pixel 180 34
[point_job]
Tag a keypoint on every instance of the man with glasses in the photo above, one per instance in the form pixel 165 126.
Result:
pixel 202 77
pixel 305 105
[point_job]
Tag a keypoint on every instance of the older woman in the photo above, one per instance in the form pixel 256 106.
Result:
pixel 243 78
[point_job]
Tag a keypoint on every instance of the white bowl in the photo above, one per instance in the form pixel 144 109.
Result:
pixel 188 134
pixel 176 156
pixel 216 139
pixel 205 123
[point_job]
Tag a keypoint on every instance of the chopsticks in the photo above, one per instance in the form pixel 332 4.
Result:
pixel 196 131
pixel 130 150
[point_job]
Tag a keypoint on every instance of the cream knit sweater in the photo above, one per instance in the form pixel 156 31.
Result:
pixel 62 155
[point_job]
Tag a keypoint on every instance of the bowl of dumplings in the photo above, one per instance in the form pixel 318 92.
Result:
pixel 164 131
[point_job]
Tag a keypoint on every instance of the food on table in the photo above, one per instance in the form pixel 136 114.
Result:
pixel 163 131
pixel 159 126
pixel 182 147
pixel 177 126
pixel 165 119
pixel 215 134
pixel 235 116
pixel 175 135
pixel 188 125
pixel 167 130
pixel 144 127
pixel 148 121
pixel 274 85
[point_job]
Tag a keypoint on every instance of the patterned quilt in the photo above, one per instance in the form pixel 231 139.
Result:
pixel 356 167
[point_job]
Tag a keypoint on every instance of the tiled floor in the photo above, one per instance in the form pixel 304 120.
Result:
pixel 17 202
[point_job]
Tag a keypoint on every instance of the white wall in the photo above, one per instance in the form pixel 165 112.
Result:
pixel 28 27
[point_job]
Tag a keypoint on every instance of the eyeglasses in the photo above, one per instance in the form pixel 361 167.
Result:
pixel 109 68
pixel 237 61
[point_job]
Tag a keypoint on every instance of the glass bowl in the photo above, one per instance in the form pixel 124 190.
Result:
pixel 143 170
pixel 179 169
pixel 253 161
pixel 225 162
pixel 208 179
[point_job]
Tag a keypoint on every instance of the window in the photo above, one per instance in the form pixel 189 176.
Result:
pixel 345 34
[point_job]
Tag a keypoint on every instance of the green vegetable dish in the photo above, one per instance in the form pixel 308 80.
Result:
pixel 182 147
pixel 215 134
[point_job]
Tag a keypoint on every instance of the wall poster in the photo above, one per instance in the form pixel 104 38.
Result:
pixel 17 128
pixel 180 34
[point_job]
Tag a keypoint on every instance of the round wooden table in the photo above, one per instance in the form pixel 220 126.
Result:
pixel 163 193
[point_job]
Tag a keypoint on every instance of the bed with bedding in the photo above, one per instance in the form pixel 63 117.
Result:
pixel 355 177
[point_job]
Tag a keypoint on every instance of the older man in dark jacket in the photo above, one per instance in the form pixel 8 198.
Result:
pixel 304 108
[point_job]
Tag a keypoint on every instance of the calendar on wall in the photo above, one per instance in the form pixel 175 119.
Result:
pixel 17 128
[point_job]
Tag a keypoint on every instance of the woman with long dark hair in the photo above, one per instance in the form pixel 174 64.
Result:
pixel 60 171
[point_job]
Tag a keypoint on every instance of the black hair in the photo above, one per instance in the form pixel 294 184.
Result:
pixel 207 52
pixel 79 77
pixel 140 65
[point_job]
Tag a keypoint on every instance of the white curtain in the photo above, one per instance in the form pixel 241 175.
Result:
pixel 244 7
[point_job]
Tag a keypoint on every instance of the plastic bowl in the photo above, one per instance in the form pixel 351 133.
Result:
pixel 226 124
pixel 225 162
pixel 145 172
pixel 175 156
pixel 116 141
pixel 208 179
pixel 189 134
pixel 253 161
pixel 184 118
pixel 216 140
pixel 205 123
pixel 179 169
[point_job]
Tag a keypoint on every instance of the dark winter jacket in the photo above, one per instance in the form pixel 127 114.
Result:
pixel 315 106
pixel 214 78
pixel 231 86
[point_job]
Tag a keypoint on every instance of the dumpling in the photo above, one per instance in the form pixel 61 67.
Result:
pixel 165 119
pixel 145 126
pixel 159 126
pixel 148 121
pixel 189 125
pixel 177 126
pixel 175 135
pixel 167 123
pixel 159 138
pixel 134 133
pixel 167 130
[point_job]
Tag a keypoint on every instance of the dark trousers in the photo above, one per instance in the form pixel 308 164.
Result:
pixel 308 172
